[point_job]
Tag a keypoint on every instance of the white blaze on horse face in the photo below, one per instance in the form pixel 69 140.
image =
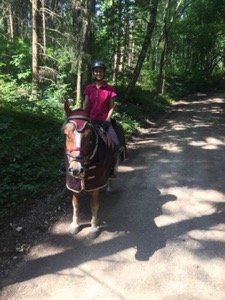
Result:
pixel 73 143
pixel 77 139
pixel 73 138
pixel 75 166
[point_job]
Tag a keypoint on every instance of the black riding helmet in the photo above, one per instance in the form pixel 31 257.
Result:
pixel 98 64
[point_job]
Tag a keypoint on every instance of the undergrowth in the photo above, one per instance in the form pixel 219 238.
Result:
pixel 31 148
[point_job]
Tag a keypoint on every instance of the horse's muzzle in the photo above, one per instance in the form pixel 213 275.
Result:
pixel 76 172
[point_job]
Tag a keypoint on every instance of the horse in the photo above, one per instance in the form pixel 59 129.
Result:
pixel 90 155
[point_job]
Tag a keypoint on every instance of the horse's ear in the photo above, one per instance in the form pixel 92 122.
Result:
pixel 67 109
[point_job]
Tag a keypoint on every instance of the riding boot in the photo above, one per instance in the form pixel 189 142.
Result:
pixel 112 174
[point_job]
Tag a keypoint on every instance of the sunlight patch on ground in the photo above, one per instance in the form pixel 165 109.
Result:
pixel 197 143
pixel 201 274
pixel 210 147
pixel 44 250
pixel 145 141
pixel 190 204
pixel 126 169
pixel 213 233
pixel 179 127
pixel 216 100
pixel 172 147
pixel 210 143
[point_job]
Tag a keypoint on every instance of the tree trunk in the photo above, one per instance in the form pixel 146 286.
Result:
pixel 43 26
pixel 84 58
pixel 10 20
pixel 79 80
pixel 36 5
pixel 170 15
pixel 117 40
pixel 88 41
pixel 162 66
pixel 146 44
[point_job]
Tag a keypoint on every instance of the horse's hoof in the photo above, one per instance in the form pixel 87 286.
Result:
pixel 94 233
pixel 74 229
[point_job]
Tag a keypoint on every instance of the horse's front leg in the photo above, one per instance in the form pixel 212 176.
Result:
pixel 74 226
pixel 94 210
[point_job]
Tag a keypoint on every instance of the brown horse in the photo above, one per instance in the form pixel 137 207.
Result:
pixel 90 156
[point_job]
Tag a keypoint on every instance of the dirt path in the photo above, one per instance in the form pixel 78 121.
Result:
pixel 162 230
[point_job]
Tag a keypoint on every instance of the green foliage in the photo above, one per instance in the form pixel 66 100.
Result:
pixel 144 104
pixel 129 123
pixel 197 48
pixel 31 151
pixel 31 144
pixel 7 87
pixel 183 84
pixel 15 59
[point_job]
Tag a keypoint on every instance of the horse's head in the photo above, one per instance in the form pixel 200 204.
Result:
pixel 81 142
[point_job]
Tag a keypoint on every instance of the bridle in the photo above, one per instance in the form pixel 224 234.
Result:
pixel 87 157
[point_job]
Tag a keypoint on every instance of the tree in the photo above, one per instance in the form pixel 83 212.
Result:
pixel 153 5
pixel 147 42
pixel 35 45
pixel 173 9
pixel 81 33
pixel 198 43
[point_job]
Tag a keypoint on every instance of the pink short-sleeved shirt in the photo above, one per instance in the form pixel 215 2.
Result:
pixel 99 100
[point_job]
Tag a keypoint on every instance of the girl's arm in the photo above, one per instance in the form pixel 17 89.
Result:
pixel 86 104
pixel 111 109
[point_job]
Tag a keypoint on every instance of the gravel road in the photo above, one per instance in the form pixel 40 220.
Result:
pixel 162 229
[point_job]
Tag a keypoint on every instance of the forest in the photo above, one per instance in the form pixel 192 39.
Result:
pixel 156 51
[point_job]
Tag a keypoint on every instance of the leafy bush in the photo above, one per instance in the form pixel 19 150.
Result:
pixel 15 59
pixel 31 144
pixel 31 150
pixel 143 104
